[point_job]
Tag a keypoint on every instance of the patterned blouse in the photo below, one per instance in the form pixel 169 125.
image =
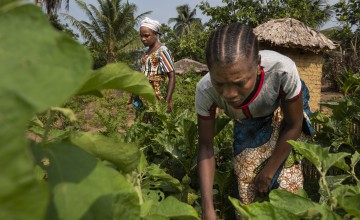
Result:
pixel 155 66
pixel 157 63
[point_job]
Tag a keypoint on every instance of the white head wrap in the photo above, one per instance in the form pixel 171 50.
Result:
pixel 152 24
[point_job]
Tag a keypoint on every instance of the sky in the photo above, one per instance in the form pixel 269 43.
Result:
pixel 162 10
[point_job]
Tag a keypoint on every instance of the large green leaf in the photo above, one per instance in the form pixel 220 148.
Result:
pixel 39 69
pixel 159 179
pixel 174 209
pixel 264 210
pixel 83 187
pixel 7 5
pixel 321 157
pixel 355 158
pixel 48 67
pixel 300 206
pixel 119 76
pixel 124 155
pixel 348 198
pixel 335 181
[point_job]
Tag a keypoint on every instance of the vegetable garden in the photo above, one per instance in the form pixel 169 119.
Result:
pixel 149 171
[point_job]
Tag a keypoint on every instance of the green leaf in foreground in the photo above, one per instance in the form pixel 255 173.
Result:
pixel 348 198
pixel 173 209
pixel 83 187
pixel 264 210
pixel 300 206
pixel 159 179
pixel 321 157
pixel 39 69
pixel 124 155
pixel 119 76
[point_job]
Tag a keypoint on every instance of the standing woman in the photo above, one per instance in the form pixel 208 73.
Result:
pixel 250 85
pixel 157 63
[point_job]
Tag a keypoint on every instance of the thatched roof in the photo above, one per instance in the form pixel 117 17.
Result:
pixel 291 33
pixel 185 65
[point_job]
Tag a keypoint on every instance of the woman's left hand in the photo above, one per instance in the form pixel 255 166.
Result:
pixel 169 107
pixel 262 182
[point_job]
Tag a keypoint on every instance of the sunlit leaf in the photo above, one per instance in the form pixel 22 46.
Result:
pixel 174 209
pixel 300 206
pixel 334 181
pixel 264 210
pixel 119 76
pixel 83 187
pixel 39 69
pixel 66 112
pixel 348 198
pixel 320 156
pixel 355 158
pixel 125 156
pixel 159 179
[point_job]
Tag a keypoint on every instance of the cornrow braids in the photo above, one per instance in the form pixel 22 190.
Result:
pixel 231 42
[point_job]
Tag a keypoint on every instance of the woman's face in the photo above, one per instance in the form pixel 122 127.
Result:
pixel 234 82
pixel 147 36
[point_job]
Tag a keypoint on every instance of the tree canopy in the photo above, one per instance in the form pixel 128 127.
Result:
pixel 111 27
pixel 184 20
pixel 313 13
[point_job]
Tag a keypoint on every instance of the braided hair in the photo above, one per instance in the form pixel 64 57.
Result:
pixel 230 43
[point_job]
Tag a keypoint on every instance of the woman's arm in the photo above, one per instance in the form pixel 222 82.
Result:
pixel 171 86
pixel 293 118
pixel 206 163
pixel 170 90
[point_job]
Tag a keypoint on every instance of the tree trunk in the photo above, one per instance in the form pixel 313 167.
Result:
pixel 110 52
pixel 38 3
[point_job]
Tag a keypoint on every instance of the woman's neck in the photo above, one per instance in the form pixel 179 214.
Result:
pixel 153 47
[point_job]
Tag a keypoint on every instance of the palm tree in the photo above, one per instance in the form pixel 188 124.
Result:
pixel 110 29
pixel 51 6
pixel 184 20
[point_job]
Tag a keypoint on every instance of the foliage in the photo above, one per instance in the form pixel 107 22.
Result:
pixel 313 13
pixel 347 61
pixel 347 36
pixel 22 196
pixel 171 141
pixel 187 39
pixel 348 11
pixel 190 46
pixel 185 20
pixel 337 130
pixel 55 21
pixel 52 6
pixel 349 83
pixel 183 95
pixel 75 175
pixel 111 28
pixel 338 200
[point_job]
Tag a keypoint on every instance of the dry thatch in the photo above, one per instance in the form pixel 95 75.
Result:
pixel 291 33
pixel 184 65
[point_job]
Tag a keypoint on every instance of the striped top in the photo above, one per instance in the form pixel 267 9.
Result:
pixel 279 81
pixel 157 63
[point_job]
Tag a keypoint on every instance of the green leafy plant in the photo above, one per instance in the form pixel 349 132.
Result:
pixel 338 200
pixel 76 175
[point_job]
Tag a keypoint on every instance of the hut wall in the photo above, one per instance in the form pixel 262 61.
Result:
pixel 309 66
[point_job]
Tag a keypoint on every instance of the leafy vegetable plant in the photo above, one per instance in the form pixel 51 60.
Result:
pixel 67 174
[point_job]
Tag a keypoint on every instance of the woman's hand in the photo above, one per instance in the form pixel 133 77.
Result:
pixel 169 107
pixel 263 180
pixel 209 214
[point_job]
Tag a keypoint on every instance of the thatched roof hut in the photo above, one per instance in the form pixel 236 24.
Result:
pixel 185 65
pixel 303 44
pixel 291 33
